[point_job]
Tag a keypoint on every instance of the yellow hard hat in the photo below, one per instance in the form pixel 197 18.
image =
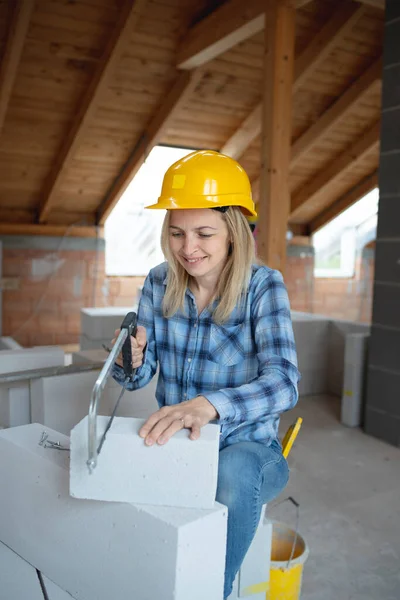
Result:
pixel 206 179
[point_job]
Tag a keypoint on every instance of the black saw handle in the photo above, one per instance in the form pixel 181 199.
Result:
pixel 129 323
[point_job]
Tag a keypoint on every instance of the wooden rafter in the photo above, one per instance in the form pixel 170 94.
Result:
pixel 337 207
pixel 336 169
pixel 374 3
pixel 115 47
pixel 17 30
pixel 337 27
pixel 232 23
pixel 274 201
pixel 183 88
pixel 52 230
pixel 336 112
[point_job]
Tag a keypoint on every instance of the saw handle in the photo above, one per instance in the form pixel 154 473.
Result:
pixel 129 323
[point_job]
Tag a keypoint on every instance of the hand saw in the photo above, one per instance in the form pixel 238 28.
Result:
pixel 123 343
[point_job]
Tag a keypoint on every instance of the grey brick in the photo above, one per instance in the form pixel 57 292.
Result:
pixel 389 217
pixel 386 308
pixel 384 349
pixel 389 174
pixel 392 10
pixel 391 46
pixel 387 257
pixel 383 391
pixel 382 426
pixel 391 86
pixel 390 131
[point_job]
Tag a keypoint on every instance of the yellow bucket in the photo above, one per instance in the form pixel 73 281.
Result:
pixel 288 554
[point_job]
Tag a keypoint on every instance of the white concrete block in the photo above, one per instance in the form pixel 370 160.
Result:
pixel 180 473
pixel 103 550
pixel 86 343
pixel 354 379
pixel 8 343
pixel 15 404
pixel 100 323
pixel 60 402
pixel 254 572
pixel 53 591
pixel 12 361
pixel 18 579
pixel 98 355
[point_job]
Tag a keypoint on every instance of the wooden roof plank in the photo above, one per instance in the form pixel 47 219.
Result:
pixel 336 169
pixel 231 23
pixel 357 192
pixel 336 112
pixel 322 44
pixel 52 230
pixel 17 31
pixel 116 45
pixel 183 88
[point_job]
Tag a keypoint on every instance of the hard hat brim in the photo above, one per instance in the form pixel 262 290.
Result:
pixel 170 203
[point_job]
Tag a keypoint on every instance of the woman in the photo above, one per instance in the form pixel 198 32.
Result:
pixel 218 327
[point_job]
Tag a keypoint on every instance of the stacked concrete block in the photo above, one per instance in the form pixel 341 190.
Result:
pixel 338 331
pixel 62 401
pixel 252 581
pixel 103 550
pixel 98 325
pixel 355 362
pixel 85 357
pixel 8 343
pixel 18 579
pixel 15 404
pixel 27 359
pixel 180 473
pixel 312 343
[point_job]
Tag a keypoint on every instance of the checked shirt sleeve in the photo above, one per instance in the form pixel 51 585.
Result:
pixel 275 389
pixel 145 318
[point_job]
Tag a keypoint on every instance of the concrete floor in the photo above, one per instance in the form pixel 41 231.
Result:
pixel 348 487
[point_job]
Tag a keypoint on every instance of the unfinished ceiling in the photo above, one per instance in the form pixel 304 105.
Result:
pixel 88 88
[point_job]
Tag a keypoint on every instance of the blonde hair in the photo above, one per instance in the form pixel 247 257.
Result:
pixel 235 276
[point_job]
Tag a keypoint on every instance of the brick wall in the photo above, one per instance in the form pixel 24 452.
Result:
pixel 349 299
pixel 51 284
pixel 53 279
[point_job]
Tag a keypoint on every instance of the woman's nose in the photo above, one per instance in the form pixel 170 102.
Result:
pixel 189 245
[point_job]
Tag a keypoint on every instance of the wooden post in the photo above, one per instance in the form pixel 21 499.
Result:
pixel 274 204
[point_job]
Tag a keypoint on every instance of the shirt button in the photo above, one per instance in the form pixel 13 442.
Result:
pixel 195 325
pixel 185 395
pixel 189 360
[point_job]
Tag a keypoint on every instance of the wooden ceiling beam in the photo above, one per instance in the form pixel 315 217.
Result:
pixel 336 112
pixel 357 192
pixel 367 142
pixel 52 230
pixel 337 27
pixel 170 106
pixel 116 45
pixel 17 30
pixel 231 23
pixel 374 3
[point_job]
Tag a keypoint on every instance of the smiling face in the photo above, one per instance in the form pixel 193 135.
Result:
pixel 199 240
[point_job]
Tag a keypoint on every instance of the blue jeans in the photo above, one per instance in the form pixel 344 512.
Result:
pixel 249 475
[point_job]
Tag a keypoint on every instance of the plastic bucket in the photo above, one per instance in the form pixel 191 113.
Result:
pixel 288 554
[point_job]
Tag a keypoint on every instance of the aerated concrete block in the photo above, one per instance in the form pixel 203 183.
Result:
pixel 103 550
pixel 354 379
pixel 180 473
pixel 100 323
pixel 98 355
pixel 12 361
pixel 14 404
pixel 60 402
pixel 18 579
pixel 8 343
pixel 53 591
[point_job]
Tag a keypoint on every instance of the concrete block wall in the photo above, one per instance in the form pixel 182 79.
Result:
pixel 355 366
pixel 62 401
pixel 382 417
pixel 123 545
pixel 99 324
pixel 312 341
pixel 348 299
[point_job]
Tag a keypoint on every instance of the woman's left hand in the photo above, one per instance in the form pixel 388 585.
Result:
pixel 163 424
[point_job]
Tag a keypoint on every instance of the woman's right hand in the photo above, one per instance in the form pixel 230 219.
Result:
pixel 138 344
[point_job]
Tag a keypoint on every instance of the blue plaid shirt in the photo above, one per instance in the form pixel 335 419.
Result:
pixel 246 368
